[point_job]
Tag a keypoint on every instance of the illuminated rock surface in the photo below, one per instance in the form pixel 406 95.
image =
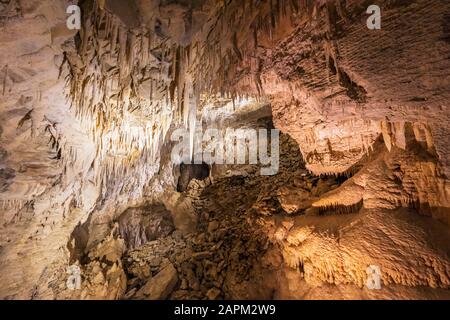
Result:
pixel 86 176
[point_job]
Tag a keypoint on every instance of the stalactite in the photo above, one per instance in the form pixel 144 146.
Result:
pixel 236 47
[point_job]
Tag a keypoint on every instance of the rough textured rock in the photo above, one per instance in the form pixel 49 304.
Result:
pixel 86 173
pixel 160 286
pixel 189 172
pixel 249 247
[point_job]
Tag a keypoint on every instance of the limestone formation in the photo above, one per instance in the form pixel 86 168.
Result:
pixel 92 192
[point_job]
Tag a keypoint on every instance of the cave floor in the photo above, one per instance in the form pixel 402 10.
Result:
pixel 238 250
